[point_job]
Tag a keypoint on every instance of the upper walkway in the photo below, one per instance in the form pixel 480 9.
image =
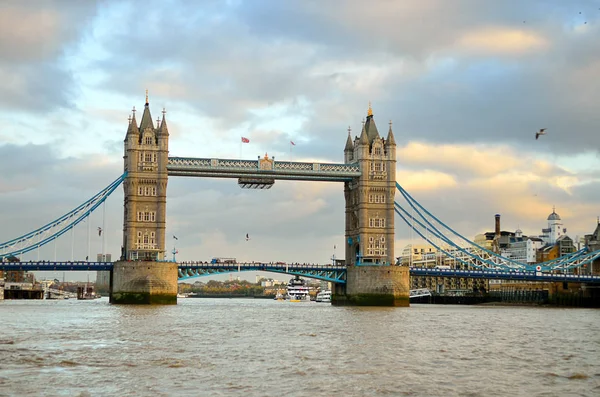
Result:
pixel 261 169
pixel 336 274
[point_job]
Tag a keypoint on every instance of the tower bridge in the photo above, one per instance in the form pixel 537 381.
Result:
pixel 368 174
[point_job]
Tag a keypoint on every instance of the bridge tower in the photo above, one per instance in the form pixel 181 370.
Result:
pixel 142 275
pixel 372 277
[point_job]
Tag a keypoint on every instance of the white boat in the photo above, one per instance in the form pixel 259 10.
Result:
pixel 324 296
pixel 297 290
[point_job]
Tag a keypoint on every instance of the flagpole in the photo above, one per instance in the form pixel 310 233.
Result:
pixel 241 143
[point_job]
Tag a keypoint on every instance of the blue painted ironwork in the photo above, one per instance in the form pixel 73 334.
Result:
pixel 335 274
pixel 522 275
pixel 477 255
pixel 281 170
pixel 61 266
pixel 45 234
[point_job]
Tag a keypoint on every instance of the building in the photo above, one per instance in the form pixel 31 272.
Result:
pixel 592 242
pixel 554 230
pixel 417 255
pixel 370 210
pixel 103 276
pixel 146 158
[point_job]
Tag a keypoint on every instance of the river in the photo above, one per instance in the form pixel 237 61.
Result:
pixel 245 347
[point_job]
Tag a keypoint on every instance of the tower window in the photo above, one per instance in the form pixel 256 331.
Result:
pixel 148 140
pixel 146 216
pixel 377 151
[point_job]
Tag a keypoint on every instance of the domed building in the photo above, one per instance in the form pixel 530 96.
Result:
pixel 554 230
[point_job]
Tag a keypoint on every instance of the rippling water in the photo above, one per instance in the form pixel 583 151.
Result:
pixel 243 347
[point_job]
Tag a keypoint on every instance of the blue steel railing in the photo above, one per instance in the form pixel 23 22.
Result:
pixel 335 274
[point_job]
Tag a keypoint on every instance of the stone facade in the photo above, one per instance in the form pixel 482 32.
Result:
pixel 145 161
pixel 142 275
pixel 375 286
pixel 140 282
pixel 370 198
pixel 373 279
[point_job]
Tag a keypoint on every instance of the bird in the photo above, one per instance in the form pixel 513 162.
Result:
pixel 247 237
pixel 99 231
pixel 541 132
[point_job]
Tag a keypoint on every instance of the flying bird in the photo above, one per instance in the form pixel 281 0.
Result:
pixel 541 132
pixel 247 237
pixel 99 231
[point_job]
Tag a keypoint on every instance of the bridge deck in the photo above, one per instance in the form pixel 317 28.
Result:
pixel 336 274
pixel 261 168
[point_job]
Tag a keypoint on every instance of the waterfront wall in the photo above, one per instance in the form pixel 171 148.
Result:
pixel 374 286
pixel 140 282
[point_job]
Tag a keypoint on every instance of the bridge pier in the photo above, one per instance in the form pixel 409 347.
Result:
pixel 141 282
pixel 374 286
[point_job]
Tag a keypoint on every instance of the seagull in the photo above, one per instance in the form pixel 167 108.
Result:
pixel 542 132
pixel 247 237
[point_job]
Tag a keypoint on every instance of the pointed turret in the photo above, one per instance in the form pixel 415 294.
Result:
pixel 146 119
pixel 349 146
pixel 132 129
pixel 389 141
pixel 363 140
pixel 163 130
pixel 370 126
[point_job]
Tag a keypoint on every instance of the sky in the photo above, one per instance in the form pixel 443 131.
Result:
pixel 466 83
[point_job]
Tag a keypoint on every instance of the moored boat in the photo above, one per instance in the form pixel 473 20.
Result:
pixel 297 290
pixel 324 296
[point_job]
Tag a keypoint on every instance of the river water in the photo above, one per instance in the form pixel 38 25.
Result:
pixel 245 347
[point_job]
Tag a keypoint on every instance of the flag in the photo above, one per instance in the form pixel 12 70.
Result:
pixel 175 237
pixel 292 142
pixel 245 140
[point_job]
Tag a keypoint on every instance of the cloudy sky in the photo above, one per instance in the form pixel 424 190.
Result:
pixel 467 83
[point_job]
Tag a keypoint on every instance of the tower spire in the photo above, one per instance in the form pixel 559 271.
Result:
pixel 390 138
pixel 147 103
pixel 349 146
pixel 163 130
pixel 370 111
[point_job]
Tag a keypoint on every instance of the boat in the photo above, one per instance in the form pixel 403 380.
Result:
pixel 297 290
pixel 279 296
pixel 324 296
pixel 87 293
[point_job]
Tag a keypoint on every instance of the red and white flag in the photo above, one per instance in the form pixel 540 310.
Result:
pixel 292 143
pixel 245 140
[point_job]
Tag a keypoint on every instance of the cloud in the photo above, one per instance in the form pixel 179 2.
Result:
pixel 501 41
pixel 34 39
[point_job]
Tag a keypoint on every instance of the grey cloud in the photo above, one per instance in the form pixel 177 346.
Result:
pixel 34 37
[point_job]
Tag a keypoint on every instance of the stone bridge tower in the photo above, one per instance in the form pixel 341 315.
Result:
pixel 142 275
pixel 372 277
pixel 145 161
pixel 370 198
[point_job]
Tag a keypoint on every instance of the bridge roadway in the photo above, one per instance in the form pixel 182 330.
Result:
pixel 336 274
